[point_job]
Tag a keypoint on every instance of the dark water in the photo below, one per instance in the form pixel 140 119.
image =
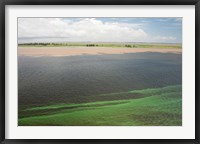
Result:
pixel 45 80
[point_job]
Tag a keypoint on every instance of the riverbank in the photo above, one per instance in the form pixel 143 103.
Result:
pixel 71 51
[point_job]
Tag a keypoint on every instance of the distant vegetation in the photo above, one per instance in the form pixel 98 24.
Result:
pixel 114 45
pixel 130 46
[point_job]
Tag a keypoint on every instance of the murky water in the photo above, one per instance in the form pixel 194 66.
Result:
pixel 45 80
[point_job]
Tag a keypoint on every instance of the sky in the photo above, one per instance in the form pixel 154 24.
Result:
pixel 153 30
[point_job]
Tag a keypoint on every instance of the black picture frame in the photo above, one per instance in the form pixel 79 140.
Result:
pixel 3 72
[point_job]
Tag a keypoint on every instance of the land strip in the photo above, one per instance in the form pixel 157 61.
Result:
pixel 80 50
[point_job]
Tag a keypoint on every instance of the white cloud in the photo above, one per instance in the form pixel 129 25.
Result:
pixel 163 38
pixel 178 19
pixel 87 29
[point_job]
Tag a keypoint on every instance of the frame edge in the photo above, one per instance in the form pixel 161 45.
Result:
pixel 2 74
pixel 197 59
pixel 51 2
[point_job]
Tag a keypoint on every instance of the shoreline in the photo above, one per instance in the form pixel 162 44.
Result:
pixel 73 51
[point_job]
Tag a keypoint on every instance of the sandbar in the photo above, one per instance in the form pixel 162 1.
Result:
pixel 72 51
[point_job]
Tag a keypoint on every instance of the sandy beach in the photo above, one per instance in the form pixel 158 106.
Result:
pixel 72 51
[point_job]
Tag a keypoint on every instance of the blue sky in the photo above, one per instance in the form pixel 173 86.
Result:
pixel 158 30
